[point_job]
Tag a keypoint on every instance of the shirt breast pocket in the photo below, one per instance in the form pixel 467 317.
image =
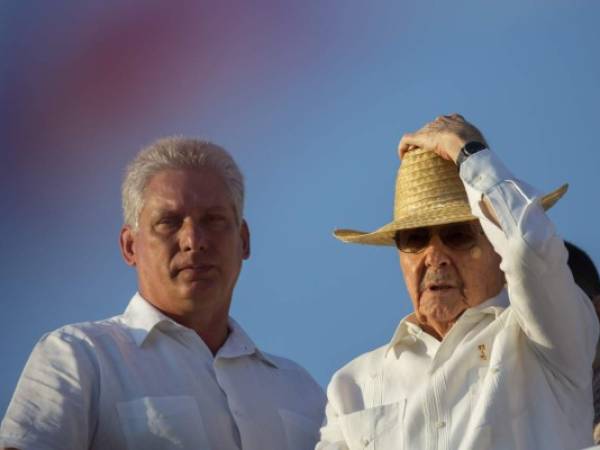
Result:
pixel 168 423
pixel 377 427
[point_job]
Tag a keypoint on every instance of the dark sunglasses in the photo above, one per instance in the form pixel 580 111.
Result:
pixel 456 236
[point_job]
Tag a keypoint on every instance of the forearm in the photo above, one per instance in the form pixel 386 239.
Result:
pixel 551 310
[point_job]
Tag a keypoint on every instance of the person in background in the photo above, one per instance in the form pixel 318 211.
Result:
pixel 586 276
pixel 174 371
pixel 498 351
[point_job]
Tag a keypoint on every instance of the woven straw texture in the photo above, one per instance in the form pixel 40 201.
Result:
pixel 428 192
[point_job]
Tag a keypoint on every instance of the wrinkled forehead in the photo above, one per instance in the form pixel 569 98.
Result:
pixel 187 188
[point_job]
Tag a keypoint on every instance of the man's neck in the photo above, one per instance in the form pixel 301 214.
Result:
pixel 214 339
pixel 436 329
pixel 213 329
pixel 211 325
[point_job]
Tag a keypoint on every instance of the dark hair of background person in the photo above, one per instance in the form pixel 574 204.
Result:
pixel 583 269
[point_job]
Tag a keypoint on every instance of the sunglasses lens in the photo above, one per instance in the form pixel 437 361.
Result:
pixel 458 237
pixel 412 241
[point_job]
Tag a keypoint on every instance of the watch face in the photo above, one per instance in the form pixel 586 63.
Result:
pixel 468 150
pixel 473 147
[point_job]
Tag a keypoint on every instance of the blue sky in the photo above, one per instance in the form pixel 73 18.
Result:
pixel 311 98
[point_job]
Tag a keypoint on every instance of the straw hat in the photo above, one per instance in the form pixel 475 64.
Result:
pixel 428 192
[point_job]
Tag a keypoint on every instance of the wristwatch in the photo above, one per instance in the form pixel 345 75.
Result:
pixel 470 148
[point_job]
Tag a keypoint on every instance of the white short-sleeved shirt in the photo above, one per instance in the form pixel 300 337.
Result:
pixel 142 381
pixel 512 373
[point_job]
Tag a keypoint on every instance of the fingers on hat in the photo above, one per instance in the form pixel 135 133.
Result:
pixel 409 142
pixel 452 116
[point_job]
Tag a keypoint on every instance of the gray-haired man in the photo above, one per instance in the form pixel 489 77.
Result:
pixel 174 371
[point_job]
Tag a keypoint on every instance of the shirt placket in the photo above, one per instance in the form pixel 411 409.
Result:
pixel 237 413
pixel 436 419
pixel 436 412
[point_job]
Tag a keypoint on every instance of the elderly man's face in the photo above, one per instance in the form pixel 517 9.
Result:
pixel 189 246
pixel 444 279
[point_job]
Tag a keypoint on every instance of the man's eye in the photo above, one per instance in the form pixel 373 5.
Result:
pixel 168 222
pixel 217 219
pixel 417 238
pixel 459 239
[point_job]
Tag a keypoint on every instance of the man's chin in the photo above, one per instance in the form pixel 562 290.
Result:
pixel 198 289
pixel 441 310
pixel 445 298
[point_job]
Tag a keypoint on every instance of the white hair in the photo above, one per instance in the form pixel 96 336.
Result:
pixel 178 153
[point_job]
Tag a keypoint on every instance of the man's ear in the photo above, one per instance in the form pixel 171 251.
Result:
pixel 126 239
pixel 245 235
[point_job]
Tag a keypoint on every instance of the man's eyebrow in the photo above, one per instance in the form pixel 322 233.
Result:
pixel 217 208
pixel 163 210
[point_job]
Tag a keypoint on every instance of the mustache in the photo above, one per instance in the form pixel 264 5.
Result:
pixel 439 278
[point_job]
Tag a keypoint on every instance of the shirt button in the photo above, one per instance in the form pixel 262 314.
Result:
pixel 441 424
pixel 494 370
pixel 365 442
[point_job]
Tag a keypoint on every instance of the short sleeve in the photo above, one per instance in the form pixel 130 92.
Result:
pixel 53 402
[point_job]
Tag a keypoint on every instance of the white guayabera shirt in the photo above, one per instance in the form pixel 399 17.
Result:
pixel 142 381
pixel 512 373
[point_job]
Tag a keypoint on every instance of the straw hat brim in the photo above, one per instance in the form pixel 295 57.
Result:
pixel 459 212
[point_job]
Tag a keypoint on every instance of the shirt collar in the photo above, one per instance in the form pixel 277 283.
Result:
pixel 142 318
pixel 494 305
pixel 408 332
pixel 238 344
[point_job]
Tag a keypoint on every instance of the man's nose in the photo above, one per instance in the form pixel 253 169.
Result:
pixel 192 237
pixel 436 253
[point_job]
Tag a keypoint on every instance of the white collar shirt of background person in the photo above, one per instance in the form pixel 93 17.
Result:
pixel 512 373
pixel 142 381
pixel 596 390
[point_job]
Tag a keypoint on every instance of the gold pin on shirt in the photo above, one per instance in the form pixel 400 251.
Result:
pixel 482 352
